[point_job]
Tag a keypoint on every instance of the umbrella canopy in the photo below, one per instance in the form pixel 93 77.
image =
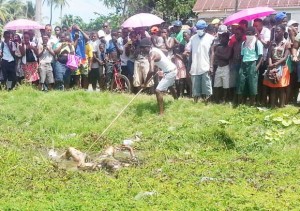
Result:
pixel 23 24
pixel 142 20
pixel 249 14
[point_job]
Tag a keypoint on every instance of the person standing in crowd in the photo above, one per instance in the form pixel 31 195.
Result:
pixel 200 48
pixel 107 31
pixel 124 41
pixel 263 34
pixel 158 58
pixel 252 51
pixel 180 81
pixel 8 63
pixel 79 78
pixel 168 42
pixel 29 53
pixel 97 69
pixel 277 77
pixel 46 56
pixel 222 76
pixel 187 61
pixel 178 33
pixel 62 72
pixel 57 31
pixel 236 60
pixel 18 59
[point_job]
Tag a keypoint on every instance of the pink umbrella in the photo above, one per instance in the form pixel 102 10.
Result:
pixel 142 20
pixel 23 24
pixel 249 14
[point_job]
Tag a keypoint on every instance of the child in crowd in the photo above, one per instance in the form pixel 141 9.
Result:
pixel 251 52
pixel 222 75
pixel 45 55
pixel 97 71
pixel 180 81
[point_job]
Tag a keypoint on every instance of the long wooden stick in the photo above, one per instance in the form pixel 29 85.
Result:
pixel 120 113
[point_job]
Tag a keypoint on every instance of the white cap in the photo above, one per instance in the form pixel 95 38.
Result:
pixel 101 33
pixel 291 22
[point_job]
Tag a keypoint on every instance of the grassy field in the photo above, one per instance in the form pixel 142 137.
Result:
pixel 196 157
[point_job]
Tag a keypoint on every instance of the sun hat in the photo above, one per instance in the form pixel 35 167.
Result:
pixel 215 21
pixel 101 33
pixel 222 29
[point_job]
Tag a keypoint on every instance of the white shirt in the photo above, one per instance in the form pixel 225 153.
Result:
pixel 6 55
pixel 123 56
pixel 200 48
pixel 46 57
pixel 164 63
pixel 265 35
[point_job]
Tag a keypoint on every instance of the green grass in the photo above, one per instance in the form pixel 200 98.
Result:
pixel 196 157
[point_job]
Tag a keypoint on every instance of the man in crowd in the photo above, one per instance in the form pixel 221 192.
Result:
pixel 7 53
pixel 202 62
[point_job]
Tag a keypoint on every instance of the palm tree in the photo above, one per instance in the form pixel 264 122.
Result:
pixel 50 3
pixel 3 12
pixel 61 4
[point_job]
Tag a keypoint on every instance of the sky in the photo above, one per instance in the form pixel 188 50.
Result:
pixel 83 8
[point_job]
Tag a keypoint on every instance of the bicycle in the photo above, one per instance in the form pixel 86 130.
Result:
pixel 116 81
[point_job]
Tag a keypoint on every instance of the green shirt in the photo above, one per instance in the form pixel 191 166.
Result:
pixel 250 55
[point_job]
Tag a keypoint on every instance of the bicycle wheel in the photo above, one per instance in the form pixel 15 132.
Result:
pixel 120 83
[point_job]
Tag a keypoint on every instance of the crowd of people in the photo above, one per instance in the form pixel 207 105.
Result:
pixel 253 62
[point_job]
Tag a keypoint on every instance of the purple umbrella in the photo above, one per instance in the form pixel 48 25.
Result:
pixel 142 20
pixel 23 24
pixel 249 14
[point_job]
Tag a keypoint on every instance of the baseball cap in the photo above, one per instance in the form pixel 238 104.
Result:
pixel 201 24
pixel 177 23
pixel 145 42
pixel 222 29
pixel 291 22
pixel 101 33
pixel 215 21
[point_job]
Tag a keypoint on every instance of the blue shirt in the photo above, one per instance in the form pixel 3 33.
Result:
pixel 250 55
pixel 80 49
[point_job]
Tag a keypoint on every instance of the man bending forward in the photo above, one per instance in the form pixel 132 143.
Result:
pixel 158 58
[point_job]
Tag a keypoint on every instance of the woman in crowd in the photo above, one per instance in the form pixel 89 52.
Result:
pixel 277 77
pixel 28 51
pixel 62 72
pixel 18 57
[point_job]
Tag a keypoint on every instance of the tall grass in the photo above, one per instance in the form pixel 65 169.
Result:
pixel 196 157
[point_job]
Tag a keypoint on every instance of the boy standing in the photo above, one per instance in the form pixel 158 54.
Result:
pixel 45 55
pixel 222 56
pixel 251 51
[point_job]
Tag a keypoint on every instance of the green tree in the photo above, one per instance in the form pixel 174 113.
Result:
pixel 50 3
pixel 61 4
pixel 70 20
pixel 30 10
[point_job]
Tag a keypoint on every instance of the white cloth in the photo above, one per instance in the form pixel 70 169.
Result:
pixel 167 81
pixel 222 77
pixel 46 57
pixel 265 35
pixel 164 63
pixel 200 49
pixel 6 55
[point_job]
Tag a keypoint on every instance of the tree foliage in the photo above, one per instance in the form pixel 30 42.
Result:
pixel 167 9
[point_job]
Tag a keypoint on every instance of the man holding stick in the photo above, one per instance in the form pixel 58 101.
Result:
pixel 158 58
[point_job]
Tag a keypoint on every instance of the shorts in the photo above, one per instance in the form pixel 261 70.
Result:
pixel 141 69
pixel 201 85
pixel 247 79
pixel 222 77
pixel 167 81
pixel 46 73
